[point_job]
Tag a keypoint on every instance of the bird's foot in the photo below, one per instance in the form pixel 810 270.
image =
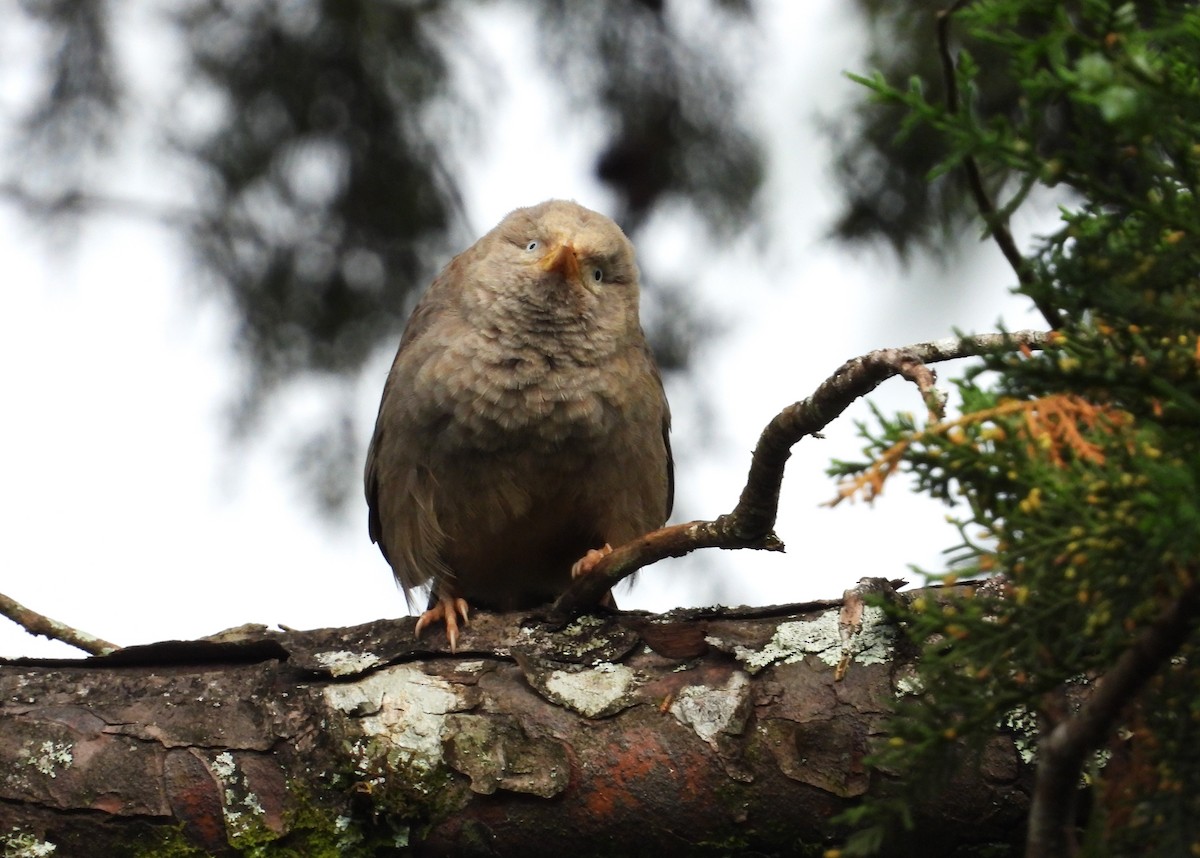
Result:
pixel 448 609
pixel 585 564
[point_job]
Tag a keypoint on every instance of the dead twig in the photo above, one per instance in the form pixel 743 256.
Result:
pixel 40 624
pixel 751 523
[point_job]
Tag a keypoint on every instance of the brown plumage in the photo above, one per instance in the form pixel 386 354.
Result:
pixel 523 426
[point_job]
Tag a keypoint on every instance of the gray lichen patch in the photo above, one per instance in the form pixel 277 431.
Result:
pixel 401 710
pixel 19 844
pixel 594 693
pixel 588 640
pixel 244 813
pixel 908 685
pixel 51 757
pixel 822 637
pixel 713 711
pixel 1023 725
pixel 495 752
pixel 346 663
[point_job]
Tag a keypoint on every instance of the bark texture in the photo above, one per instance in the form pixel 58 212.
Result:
pixel 720 731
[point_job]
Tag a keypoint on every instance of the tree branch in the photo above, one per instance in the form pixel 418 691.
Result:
pixel 595 739
pixel 997 224
pixel 1061 753
pixel 39 624
pixel 751 523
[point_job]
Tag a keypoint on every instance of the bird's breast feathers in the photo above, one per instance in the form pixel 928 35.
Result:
pixel 489 397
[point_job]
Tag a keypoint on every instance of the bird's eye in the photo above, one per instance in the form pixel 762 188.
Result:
pixel 598 274
pixel 532 246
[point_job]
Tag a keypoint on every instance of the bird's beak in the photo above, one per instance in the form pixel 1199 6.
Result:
pixel 563 260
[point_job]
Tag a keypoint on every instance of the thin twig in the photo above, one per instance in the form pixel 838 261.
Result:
pixel 997 223
pixel 40 624
pixel 926 381
pixel 752 522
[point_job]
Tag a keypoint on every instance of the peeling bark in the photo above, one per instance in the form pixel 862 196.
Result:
pixel 722 729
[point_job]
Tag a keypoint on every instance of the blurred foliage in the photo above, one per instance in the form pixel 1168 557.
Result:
pixel 894 191
pixel 1078 468
pixel 79 113
pixel 327 195
pixel 671 104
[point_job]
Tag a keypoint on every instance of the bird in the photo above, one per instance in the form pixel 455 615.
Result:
pixel 523 428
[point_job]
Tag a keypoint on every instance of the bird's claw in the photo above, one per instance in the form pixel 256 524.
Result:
pixel 585 564
pixel 448 609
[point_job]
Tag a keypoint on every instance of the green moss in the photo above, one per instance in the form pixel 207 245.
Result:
pixel 396 785
pixel 167 841
pixel 381 809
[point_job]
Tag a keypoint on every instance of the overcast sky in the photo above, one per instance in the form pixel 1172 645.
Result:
pixel 128 512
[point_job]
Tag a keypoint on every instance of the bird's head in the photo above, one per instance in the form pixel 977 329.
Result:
pixel 563 262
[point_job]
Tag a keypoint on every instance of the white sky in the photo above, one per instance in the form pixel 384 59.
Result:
pixel 125 511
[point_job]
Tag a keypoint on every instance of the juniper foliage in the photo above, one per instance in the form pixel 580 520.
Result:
pixel 1074 472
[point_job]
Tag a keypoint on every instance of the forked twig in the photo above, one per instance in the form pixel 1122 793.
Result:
pixel 751 523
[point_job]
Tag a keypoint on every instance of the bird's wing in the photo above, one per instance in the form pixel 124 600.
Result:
pixel 411 545
pixel 666 437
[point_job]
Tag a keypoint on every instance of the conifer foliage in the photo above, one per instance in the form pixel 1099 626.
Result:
pixel 1076 469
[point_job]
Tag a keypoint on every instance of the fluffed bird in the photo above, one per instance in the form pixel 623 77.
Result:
pixel 523 428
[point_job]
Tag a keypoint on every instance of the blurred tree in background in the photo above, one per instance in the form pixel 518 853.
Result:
pixel 325 194
pixel 891 188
